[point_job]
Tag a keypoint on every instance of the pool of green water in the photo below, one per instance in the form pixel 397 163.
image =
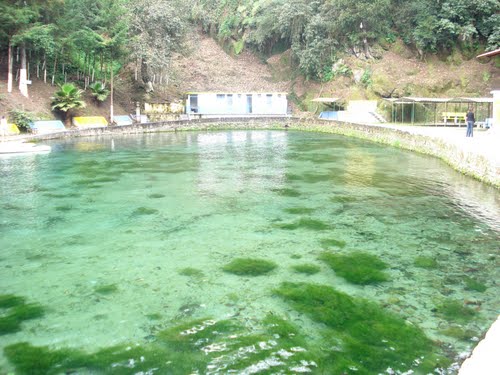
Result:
pixel 242 252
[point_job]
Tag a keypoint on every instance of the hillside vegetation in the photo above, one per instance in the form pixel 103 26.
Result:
pixel 156 48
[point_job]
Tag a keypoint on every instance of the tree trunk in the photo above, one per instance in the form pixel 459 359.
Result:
pixel 9 74
pixel 111 110
pixel 146 78
pixel 23 84
pixel 44 67
pixel 54 71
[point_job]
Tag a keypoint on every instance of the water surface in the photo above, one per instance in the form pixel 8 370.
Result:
pixel 122 238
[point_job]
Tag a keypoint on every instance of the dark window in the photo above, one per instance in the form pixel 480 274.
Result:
pixel 193 103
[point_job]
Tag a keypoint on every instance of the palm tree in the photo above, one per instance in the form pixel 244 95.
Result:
pixel 99 91
pixel 67 99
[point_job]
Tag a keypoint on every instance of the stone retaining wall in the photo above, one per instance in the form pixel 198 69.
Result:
pixel 475 165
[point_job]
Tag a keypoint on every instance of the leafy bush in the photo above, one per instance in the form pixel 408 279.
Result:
pixel 22 119
pixel 366 78
pixel 99 91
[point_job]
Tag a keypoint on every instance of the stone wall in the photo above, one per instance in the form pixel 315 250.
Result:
pixel 474 165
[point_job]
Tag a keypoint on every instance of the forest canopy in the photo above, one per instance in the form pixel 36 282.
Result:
pixel 91 38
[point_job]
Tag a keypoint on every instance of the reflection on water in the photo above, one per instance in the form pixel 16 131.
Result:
pixel 123 241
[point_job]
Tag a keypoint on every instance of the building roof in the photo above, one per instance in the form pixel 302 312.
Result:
pixel 409 100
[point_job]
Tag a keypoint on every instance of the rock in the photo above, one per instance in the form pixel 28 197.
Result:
pixel 357 74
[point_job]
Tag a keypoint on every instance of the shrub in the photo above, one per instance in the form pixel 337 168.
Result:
pixel 22 119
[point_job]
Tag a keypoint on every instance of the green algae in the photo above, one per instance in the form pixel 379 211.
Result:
pixel 154 316
pixel 475 285
pixel 371 338
pixel 106 289
pixel 327 243
pixel 210 346
pixel 249 267
pixel 425 262
pixel 343 199
pixel 156 196
pixel 62 195
pixel 14 311
pixel 65 208
pixel 11 300
pixel 299 210
pixel 304 223
pixel 455 311
pixel 191 272
pixel 296 256
pixel 356 267
pixel 306 268
pixel 144 211
pixel 287 192
pixel 458 333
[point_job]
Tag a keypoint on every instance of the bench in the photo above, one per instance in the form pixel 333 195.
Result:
pixel 457 117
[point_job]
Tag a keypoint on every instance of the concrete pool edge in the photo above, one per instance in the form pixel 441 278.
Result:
pixel 471 161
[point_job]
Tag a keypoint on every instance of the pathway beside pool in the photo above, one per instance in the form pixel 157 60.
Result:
pixel 484 359
pixel 485 142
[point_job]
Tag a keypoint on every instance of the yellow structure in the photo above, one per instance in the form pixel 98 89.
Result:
pixel 90 122
pixel 12 129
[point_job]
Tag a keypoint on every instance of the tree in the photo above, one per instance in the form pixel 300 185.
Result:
pixel 157 30
pixel 66 100
pixel 15 16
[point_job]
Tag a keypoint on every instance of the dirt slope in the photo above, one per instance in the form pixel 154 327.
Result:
pixel 205 66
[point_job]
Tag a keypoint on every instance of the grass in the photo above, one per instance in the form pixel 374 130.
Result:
pixel 356 267
pixel 249 267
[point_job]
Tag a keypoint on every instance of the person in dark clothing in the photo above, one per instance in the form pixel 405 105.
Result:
pixel 470 122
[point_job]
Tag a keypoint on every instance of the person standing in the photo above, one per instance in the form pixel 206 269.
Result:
pixel 470 122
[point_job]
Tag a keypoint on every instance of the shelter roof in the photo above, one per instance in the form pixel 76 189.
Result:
pixel 409 100
pixel 235 93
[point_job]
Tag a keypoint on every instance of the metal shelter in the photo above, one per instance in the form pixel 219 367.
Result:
pixel 438 111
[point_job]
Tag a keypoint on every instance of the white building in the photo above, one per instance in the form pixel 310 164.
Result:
pixel 212 104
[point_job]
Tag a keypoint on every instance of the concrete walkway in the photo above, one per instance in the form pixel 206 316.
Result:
pixel 486 142
pixel 485 359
